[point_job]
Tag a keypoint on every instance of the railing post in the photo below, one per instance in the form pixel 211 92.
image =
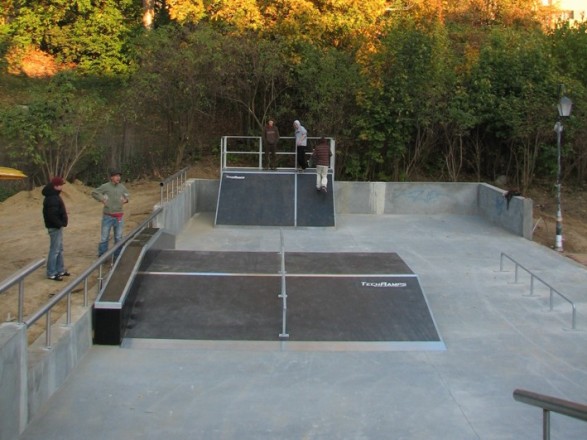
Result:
pixel 86 292
pixel 545 424
pixel 21 300
pixel 283 295
pixel 48 329
pixel 68 319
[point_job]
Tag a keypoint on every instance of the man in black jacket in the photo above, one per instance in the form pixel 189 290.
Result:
pixel 55 217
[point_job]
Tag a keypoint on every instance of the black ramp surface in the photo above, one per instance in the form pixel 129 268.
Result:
pixel 345 263
pixel 234 296
pixel 358 309
pixel 206 308
pixel 211 262
pixel 261 199
pixel 314 208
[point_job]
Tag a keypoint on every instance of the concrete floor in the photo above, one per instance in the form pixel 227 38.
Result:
pixel 498 338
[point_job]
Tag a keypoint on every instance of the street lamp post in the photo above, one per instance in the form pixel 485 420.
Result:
pixel 564 110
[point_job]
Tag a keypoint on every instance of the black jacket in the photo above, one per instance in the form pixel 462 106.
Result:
pixel 54 212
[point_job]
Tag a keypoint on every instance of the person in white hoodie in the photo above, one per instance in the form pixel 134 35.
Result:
pixel 301 142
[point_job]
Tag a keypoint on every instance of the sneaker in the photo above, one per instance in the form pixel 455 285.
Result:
pixel 324 189
pixel 56 278
pixel 318 189
pixel 64 274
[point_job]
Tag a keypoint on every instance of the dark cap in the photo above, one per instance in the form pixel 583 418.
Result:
pixel 114 172
pixel 57 181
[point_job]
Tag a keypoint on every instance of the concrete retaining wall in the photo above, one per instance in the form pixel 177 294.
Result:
pixel 199 195
pixel 379 198
pixel 516 218
pixel 30 375
pixel 13 380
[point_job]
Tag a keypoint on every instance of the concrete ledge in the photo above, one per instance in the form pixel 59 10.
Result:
pixel 516 218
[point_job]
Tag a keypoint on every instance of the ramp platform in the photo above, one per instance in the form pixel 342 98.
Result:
pixel 273 198
pixel 371 301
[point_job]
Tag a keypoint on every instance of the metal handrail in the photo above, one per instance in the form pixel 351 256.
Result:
pixel 532 278
pixel 83 277
pixel 548 404
pixel 224 151
pixel 172 185
pixel 19 278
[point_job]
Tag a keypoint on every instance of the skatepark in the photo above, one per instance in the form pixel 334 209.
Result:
pixel 374 311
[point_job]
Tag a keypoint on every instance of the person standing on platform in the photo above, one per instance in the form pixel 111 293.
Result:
pixel 55 218
pixel 270 137
pixel 321 158
pixel 301 142
pixel 113 195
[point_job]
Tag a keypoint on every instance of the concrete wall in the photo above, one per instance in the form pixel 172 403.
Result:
pixel 49 368
pixel 13 380
pixel 199 195
pixel 516 218
pixel 406 198
pixel 30 375
pixel 409 198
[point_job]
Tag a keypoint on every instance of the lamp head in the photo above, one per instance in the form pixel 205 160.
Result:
pixel 565 106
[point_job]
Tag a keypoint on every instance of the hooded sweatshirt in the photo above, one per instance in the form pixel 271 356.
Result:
pixel 301 134
pixel 54 212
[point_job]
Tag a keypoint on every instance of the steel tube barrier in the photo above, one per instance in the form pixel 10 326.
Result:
pixel 83 277
pixel 532 278
pixel 258 151
pixel 171 186
pixel 19 277
pixel 551 404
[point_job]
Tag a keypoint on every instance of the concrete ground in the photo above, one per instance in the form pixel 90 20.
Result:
pixel 498 338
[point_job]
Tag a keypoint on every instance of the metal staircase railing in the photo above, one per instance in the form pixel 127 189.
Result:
pixel 551 404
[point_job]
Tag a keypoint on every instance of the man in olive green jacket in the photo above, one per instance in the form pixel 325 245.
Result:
pixel 113 195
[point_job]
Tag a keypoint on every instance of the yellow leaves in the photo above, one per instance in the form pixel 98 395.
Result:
pixel 184 11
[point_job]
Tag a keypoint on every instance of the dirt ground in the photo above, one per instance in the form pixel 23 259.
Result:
pixel 24 238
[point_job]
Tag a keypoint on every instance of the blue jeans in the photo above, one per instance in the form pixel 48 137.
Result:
pixel 55 264
pixel 109 222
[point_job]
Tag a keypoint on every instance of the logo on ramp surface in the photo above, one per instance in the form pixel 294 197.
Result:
pixel 235 177
pixel 382 284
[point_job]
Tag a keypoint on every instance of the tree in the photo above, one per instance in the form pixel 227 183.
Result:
pixel 92 36
pixel 176 91
pixel 56 129
pixel 520 89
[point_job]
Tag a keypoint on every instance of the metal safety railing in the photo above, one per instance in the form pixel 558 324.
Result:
pixel 535 277
pixel 83 278
pixel 46 310
pixel 551 404
pixel 173 185
pixel 232 147
pixel 19 278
